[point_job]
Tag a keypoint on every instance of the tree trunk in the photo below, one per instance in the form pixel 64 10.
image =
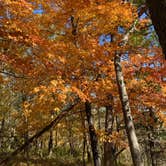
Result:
pixel 83 151
pixel 50 143
pixel 151 136
pixel 109 147
pixel 40 146
pixel 151 149
pixel 130 130
pixel 1 133
pixel 157 11
pixel 70 137
pixel 26 137
pixel 99 119
pixel 26 150
pixel 118 123
pixel 89 157
pixel 84 139
pixel 93 135
pixel 56 137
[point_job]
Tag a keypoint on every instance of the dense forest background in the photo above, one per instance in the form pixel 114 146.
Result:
pixel 82 83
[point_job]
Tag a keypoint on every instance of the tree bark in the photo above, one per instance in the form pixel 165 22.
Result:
pixel 93 135
pixel 130 130
pixel 157 11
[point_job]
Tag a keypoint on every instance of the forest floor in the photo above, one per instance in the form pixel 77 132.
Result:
pixel 43 162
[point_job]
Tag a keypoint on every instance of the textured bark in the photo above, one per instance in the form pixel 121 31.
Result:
pixel 157 11
pixel 63 113
pixel 132 138
pixel 93 136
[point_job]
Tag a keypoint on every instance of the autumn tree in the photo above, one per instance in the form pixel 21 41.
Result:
pixel 61 55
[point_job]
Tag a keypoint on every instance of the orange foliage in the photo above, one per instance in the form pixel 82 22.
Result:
pixel 57 62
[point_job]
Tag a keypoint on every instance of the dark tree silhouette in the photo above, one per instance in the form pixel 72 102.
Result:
pixel 157 11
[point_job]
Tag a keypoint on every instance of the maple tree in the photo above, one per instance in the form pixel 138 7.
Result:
pixel 52 54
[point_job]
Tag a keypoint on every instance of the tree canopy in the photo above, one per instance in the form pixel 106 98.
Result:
pixel 54 54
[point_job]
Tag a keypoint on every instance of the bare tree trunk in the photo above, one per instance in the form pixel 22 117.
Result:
pixel 56 137
pixel 109 147
pixel 70 137
pixel 117 123
pixel 147 154
pixel 99 119
pixel 71 143
pixel 40 146
pixel 89 157
pixel 130 130
pixel 26 150
pixel 93 136
pixel 151 149
pixel 83 152
pixel 151 136
pixel 84 139
pixel 50 143
pixel 26 137
pixel 1 133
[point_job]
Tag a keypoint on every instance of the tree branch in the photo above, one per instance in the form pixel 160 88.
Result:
pixel 63 113
pixel 13 74
pixel 119 152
